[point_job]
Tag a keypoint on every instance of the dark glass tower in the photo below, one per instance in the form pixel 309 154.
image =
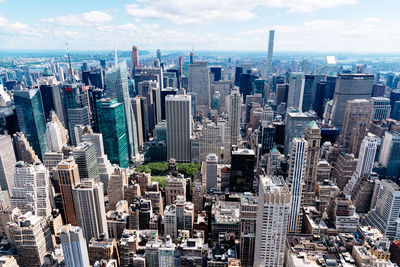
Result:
pixel 111 119
pixel 31 119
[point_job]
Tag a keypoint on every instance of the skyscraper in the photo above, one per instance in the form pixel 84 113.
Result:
pixel 76 107
pixel 296 123
pixel 313 137
pixel 270 52
pixel 179 127
pixel 111 122
pixel 211 171
pixel 234 111
pixel 68 177
pixel 296 88
pixel 32 239
pixel 134 57
pixel 272 222
pixel 199 83
pixel 355 124
pixel 74 246
pixel 56 134
pixel 7 163
pixel 85 157
pixel 248 221
pixel 365 161
pixel 310 91
pixel 381 108
pixel 117 87
pixel 350 87
pixel 103 164
pixel 88 199
pixel 297 164
pixel 385 215
pixel 31 120
pixel 389 156
pixel 242 170
pixel 31 191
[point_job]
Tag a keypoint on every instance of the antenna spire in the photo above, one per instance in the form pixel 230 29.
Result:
pixel 115 48
pixel 69 62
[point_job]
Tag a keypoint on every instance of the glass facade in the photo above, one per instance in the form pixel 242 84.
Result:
pixel 111 123
pixel 31 119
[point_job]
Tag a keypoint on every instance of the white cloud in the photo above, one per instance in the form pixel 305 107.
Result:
pixel 207 11
pixel 81 20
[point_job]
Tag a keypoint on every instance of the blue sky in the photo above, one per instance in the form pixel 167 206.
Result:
pixel 301 25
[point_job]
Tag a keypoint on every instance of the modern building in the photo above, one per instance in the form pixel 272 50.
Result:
pixel 85 157
pixel 272 222
pixel 103 164
pixel 242 170
pixel 111 120
pixel 117 87
pixel 199 83
pixel 385 215
pixel 381 108
pixel 88 197
pixel 31 119
pixel 350 87
pixel 310 91
pixel 7 163
pixel 270 52
pixel 295 126
pixel 76 107
pixel 355 124
pixel 74 246
pixel 179 127
pixel 234 113
pixel 313 137
pixel 296 88
pixel 389 156
pixel 68 177
pixel 211 171
pixel 296 184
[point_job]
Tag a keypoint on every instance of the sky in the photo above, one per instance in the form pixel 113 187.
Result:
pixel 229 25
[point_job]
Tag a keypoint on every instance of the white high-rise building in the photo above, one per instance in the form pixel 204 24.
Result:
pixel 7 163
pixel 199 83
pixel 365 161
pixel 297 164
pixel 235 102
pixel 211 171
pixel 178 111
pixel 53 134
pixel 74 246
pixel 104 165
pixel 89 207
pixel 386 213
pixel 117 87
pixel 272 222
pixel 296 90
pixel 31 191
pixel 270 52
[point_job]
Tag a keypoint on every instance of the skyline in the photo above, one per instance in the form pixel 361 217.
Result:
pixel 305 25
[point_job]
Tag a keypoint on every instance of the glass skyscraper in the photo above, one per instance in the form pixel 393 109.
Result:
pixel 111 121
pixel 117 87
pixel 31 120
